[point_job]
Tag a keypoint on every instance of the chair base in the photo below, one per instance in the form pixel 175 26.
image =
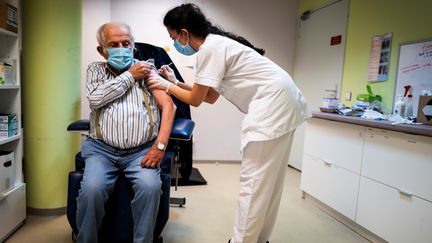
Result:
pixel 178 201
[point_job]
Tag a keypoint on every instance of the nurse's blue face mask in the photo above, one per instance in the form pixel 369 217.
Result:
pixel 186 50
pixel 120 58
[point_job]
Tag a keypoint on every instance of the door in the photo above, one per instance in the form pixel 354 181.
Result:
pixel 319 61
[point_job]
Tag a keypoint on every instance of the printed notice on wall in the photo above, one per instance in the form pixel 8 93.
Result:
pixel 379 59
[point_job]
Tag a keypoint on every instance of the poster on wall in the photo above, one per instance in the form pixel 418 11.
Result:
pixel 379 59
pixel 414 69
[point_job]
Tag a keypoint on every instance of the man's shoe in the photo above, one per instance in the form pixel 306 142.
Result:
pixel 229 241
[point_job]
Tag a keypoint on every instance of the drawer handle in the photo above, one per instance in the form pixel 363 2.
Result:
pixel 5 195
pixel 326 162
pixel 404 192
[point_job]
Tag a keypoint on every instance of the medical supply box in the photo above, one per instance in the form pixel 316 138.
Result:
pixel 8 17
pixel 7 171
pixel 6 73
pixel 8 125
pixel 424 112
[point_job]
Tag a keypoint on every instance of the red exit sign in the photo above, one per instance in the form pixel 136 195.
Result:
pixel 336 40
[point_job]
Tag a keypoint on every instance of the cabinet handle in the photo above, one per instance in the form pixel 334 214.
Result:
pixel 326 162
pixel 410 141
pixel 404 192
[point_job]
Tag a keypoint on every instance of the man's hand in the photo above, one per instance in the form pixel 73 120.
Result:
pixel 153 158
pixel 140 70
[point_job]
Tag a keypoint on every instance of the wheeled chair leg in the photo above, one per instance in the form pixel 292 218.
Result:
pixel 177 200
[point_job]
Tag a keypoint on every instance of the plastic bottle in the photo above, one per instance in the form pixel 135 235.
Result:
pixel 408 101
pixel 399 106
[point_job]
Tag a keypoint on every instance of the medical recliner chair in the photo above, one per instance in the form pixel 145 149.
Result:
pixel 117 226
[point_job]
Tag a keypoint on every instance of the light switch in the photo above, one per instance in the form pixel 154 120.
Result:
pixel 348 96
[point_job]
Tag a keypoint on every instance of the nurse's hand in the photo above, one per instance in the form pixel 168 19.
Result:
pixel 168 73
pixel 158 82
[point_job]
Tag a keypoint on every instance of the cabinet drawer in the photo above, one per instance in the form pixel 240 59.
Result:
pixel 399 160
pixel 336 142
pixel 393 216
pixel 12 210
pixel 331 184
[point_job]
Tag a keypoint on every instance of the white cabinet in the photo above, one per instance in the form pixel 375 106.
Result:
pixel 332 162
pixel 401 160
pixel 331 184
pixel 395 217
pixel 12 200
pixel 395 198
pixel 380 179
pixel 335 142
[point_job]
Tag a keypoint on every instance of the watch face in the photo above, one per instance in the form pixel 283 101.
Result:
pixel 160 146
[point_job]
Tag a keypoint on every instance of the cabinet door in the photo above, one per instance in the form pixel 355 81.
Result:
pixel 12 210
pixel 400 160
pixel 331 184
pixel 335 142
pixel 393 216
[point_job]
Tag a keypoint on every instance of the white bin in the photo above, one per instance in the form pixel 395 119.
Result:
pixel 7 171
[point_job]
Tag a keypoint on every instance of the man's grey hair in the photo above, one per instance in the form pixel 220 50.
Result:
pixel 100 35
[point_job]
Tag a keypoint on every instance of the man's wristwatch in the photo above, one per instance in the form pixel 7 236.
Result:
pixel 160 146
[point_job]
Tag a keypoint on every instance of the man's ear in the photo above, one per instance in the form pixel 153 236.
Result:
pixel 100 50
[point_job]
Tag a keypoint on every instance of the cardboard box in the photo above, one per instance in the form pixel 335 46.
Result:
pixel 8 125
pixel 424 112
pixel 8 17
pixel 7 170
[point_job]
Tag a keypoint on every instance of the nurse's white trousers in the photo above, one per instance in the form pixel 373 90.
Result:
pixel 262 177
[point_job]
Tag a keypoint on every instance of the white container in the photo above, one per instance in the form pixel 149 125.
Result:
pixel 7 171
pixel 330 103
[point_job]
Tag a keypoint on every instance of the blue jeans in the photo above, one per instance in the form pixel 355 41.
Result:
pixel 103 163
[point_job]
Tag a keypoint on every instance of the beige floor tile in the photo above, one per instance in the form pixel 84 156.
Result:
pixel 209 212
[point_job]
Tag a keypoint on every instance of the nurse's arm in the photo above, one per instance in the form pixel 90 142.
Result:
pixel 193 97
pixel 211 96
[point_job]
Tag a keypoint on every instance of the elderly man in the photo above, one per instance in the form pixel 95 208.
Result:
pixel 127 133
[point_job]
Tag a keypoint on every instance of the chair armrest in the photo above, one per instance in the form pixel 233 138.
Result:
pixel 79 126
pixel 182 129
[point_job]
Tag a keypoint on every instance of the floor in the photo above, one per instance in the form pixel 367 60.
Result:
pixel 209 213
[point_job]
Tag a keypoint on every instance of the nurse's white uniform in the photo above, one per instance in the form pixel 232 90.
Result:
pixel 274 108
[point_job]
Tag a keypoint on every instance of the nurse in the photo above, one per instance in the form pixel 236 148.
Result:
pixel 230 66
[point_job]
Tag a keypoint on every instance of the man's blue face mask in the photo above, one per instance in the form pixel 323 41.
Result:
pixel 184 49
pixel 120 58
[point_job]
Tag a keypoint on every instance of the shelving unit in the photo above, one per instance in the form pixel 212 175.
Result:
pixel 13 198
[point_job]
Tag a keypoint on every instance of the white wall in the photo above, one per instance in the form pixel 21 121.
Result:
pixel 269 25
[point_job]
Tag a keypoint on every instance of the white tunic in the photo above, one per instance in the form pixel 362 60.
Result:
pixel 257 86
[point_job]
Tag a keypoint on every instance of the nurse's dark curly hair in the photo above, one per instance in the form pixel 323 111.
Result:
pixel 189 16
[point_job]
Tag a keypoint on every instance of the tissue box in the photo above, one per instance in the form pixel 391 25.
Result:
pixel 8 125
pixel 424 112
pixel 8 17
pixel 7 171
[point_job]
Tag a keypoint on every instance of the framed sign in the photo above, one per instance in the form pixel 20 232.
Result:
pixel 379 59
pixel 415 69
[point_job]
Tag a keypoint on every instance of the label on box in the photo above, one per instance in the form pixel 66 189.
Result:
pixel 8 118
pixel 12 16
